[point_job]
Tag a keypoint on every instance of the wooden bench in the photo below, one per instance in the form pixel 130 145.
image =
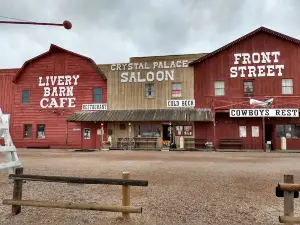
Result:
pixel 231 142
pixel 197 141
pixel 145 140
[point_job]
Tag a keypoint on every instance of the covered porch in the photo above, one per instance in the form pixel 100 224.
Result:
pixel 141 129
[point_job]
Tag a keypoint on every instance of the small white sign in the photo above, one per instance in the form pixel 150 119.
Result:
pixel 180 103
pixel 91 107
pixel 264 113
pixel 76 129
pixel 99 131
pixel 243 131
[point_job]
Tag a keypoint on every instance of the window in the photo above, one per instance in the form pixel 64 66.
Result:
pixel 248 88
pixel 97 95
pixel 288 131
pixel 87 133
pixel 219 88
pixel 27 130
pixel 149 90
pixel 41 131
pixel 176 90
pixel 287 86
pixel 144 130
pixel 25 96
pixel 122 126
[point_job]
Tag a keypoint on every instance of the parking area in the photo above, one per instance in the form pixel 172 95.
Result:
pixel 184 187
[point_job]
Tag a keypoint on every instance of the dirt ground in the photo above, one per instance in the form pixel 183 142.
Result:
pixel 184 187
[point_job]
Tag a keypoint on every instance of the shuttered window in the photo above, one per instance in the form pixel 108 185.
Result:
pixel 219 88
pixel 25 96
pixel 248 88
pixel 97 95
pixel 287 86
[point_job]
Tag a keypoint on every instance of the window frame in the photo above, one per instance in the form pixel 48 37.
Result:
pixel 145 91
pixel 219 88
pixel 282 87
pixel 248 94
pixel 101 100
pixel 24 125
pixel 177 97
pixel 22 97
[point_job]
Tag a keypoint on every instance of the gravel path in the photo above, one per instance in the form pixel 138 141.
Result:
pixel 184 187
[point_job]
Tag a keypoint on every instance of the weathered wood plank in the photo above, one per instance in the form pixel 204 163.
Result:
pixel 17 192
pixel 69 205
pixel 289 187
pixel 289 219
pixel 288 198
pixel 79 180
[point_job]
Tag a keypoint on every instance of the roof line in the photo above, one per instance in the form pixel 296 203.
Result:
pixel 264 29
pixel 52 47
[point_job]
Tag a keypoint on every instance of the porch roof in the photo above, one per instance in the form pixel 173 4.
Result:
pixel 139 115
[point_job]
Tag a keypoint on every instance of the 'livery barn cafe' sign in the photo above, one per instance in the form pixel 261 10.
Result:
pixel 159 71
pixel 257 64
pixel 58 91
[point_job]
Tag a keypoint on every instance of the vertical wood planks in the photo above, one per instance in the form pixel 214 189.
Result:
pixel 126 195
pixel 17 192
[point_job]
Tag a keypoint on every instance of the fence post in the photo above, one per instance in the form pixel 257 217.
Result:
pixel 126 194
pixel 288 198
pixel 17 192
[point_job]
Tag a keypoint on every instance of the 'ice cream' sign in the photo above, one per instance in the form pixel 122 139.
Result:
pixel 61 87
pixel 263 64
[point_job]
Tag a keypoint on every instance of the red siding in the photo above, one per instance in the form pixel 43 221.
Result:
pixel 6 89
pixel 51 64
pixel 217 67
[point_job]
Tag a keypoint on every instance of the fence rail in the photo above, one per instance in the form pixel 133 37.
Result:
pixel 125 182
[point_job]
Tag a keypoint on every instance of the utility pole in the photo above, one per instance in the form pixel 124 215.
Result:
pixel 66 24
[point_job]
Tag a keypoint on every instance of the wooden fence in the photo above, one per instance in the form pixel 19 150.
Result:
pixel 126 182
pixel 289 191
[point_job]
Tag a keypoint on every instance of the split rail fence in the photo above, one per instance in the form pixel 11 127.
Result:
pixel 289 191
pixel 125 182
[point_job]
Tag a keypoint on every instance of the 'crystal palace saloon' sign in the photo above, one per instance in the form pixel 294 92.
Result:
pixel 264 113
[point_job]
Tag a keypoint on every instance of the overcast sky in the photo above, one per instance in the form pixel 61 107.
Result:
pixel 111 31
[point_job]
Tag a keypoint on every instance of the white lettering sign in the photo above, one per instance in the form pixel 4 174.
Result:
pixel 264 113
pixel 249 68
pixel 61 87
pixel 164 71
pixel 102 106
pixel 180 103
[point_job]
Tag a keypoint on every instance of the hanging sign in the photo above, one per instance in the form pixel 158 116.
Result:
pixel 264 112
pixel 180 103
pixel 91 107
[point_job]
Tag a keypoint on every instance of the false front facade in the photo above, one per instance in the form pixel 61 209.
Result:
pixel 251 85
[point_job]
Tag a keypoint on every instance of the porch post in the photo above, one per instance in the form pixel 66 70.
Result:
pixel 263 134
pixel 170 124
pixel 102 131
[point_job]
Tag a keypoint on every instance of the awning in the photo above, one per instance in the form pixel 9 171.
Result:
pixel 139 115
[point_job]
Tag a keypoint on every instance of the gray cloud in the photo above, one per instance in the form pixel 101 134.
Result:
pixel 111 31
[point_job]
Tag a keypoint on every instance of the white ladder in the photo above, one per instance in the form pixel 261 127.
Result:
pixel 9 150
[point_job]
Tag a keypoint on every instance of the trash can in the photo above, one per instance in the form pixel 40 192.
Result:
pixel 268 146
pixel 283 143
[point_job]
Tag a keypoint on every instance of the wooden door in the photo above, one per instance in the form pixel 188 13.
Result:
pixel 88 137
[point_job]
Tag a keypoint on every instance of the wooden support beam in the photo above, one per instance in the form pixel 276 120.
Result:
pixel 69 205
pixel 289 220
pixel 289 187
pixel 126 194
pixel 79 180
pixel 17 192
pixel 288 198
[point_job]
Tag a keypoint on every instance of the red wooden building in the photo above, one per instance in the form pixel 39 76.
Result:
pixel 261 65
pixel 45 91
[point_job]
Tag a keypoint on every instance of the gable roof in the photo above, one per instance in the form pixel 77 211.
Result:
pixel 260 29
pixel 51 49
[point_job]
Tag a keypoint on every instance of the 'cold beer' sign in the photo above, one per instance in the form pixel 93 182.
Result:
pixel 257 64
pixel 58 91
